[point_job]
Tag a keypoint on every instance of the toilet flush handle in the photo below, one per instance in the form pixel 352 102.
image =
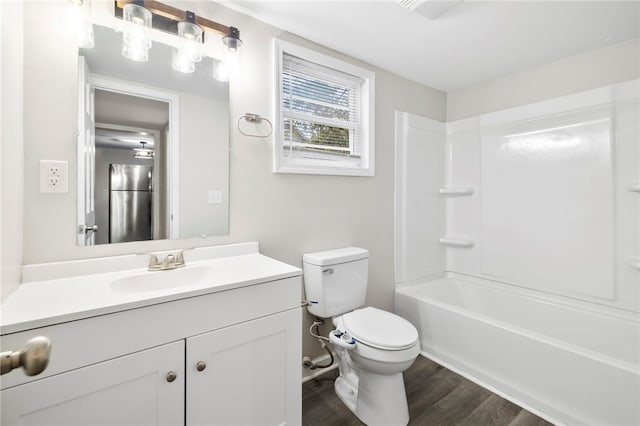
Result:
pixel 327 271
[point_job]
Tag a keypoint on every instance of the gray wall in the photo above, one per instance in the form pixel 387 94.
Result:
pixel 601 67
pixel 50 123
pixel 274 209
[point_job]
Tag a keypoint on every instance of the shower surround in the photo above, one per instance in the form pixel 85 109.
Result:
pixel 517 244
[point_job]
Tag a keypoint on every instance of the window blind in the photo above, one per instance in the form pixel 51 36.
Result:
pixel 321 111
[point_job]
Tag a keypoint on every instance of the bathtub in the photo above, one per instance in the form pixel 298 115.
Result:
pixel 569 362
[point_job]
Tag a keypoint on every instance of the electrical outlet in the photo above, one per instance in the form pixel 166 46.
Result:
pixel 54 176
pixel 214 197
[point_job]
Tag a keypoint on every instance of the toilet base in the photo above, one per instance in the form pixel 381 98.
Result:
pixel 376 399
pixel 347 393
pixel 381 399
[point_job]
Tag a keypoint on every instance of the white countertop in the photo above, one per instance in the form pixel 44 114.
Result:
pixel 45 302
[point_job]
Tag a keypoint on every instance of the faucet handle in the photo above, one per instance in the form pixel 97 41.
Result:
pixel 153 261
pixel 180 259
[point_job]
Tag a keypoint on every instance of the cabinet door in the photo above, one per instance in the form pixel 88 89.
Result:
pixel 252 374
pixel 130 390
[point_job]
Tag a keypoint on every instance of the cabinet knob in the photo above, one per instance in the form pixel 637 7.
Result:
pixel 201 365
pixel 171 376
pixel 33 358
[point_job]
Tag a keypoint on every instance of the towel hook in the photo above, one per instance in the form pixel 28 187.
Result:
pixel 254 118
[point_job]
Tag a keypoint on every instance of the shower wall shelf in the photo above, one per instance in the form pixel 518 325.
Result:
pixel 634 187
pixel 634 262
pixel 457 242
pixel 456 191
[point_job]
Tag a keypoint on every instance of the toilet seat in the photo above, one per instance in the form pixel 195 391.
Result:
pixel 380 329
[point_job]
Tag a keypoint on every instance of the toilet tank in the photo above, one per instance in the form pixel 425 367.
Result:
pixel 335 281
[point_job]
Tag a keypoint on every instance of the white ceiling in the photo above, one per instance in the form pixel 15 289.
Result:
pixel 128 110
pixel 470 43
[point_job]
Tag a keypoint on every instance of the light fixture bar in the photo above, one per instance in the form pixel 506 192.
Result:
pixel 170 12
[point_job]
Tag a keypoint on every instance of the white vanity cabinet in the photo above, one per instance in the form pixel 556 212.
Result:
pixel 129 390
pixel 247 375
pixel 227 355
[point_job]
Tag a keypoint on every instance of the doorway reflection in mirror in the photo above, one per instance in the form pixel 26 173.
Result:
pixel 181 121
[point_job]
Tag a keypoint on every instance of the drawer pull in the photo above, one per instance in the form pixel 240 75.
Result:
pixel 201 365
pixel 33 358
pixel 171 376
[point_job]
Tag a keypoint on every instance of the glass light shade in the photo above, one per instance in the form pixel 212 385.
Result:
pixel 182 62
pixel 143 156
pixel 143 153
pixel 223 69
pixel 84 36
pixel 220 70
pixel 233 44
pixel 79 20
pixel 136 38
pixel 190 46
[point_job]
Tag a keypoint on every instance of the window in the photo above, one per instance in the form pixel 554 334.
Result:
pixel 325 110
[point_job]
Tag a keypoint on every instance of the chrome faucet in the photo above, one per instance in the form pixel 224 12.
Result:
pixel 170 262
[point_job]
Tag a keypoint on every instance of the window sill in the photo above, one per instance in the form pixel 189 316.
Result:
pixel 318 170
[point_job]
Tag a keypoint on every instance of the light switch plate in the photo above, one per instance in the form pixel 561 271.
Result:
pixel 54 177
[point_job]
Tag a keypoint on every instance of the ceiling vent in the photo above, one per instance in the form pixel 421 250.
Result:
pixel 432 9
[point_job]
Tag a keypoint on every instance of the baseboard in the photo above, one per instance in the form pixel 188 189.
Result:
pixel 308 374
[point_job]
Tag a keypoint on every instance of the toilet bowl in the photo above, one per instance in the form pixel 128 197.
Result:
pixel 372 347
pixel 371 381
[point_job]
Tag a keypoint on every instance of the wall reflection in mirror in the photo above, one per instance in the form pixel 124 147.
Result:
pixel 153 146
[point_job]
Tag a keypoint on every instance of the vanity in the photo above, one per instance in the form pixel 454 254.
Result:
pixel 217 342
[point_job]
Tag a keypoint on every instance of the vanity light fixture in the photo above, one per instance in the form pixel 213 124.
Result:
pixel 143 153
pixel 190 49
pixel 232 40
pixel 136 37
pixel 79 19
pixel 190 28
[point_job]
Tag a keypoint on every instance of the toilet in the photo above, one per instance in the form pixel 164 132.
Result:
pixel 372 347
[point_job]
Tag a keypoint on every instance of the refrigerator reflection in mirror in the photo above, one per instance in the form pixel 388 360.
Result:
pixel 130 203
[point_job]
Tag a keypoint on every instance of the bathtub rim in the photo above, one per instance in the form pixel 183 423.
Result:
pixel 541 296
pixel 612 361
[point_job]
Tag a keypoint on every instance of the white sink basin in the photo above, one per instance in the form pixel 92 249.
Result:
pixel 161 280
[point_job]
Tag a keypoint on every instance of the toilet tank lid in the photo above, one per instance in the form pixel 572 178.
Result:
pixel 333 257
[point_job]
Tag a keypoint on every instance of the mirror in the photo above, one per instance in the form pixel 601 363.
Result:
pixel 153 146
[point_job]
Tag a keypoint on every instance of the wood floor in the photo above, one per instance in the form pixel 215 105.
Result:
pixel 436 396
